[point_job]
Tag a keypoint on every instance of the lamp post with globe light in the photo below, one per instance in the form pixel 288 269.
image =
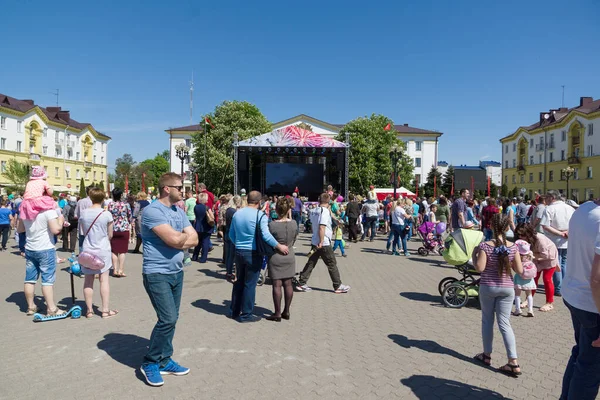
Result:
pixel 183 153
pixel 568 173
pixel 395 154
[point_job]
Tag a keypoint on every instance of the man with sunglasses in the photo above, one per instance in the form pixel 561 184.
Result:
pixel 166 234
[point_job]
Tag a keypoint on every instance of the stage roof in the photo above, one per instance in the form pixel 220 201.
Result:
pixel 291 136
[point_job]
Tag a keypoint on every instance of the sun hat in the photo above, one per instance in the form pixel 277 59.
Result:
pixel 468 225
pixel 38 172
pixel 371 187
pixel 524 248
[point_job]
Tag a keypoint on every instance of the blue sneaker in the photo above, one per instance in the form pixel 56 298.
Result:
pixel 172 368
pixel 152 374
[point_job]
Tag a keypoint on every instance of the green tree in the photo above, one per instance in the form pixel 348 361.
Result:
pixel 125 166
pixel 228 117
pixel 447 180
pixel 103 186
pixel 493 190
pixel 17 174
pixel 369 160
pixel 154 168
pixel 434 178
pixel 166 155
pixel 82 193
pixel 504 190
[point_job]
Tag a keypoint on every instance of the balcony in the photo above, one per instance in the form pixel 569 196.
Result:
pixel 520 168
pixel 34 157
pixel 539 147
pixel 550 144
pixel 573 160
pixel 87 164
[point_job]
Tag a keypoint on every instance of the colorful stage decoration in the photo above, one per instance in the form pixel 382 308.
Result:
pixel 292 136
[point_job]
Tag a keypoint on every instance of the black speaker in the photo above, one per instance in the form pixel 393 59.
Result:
pixel 243 161
pixel 340 162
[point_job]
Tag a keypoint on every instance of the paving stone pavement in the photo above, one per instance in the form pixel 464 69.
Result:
pixel 389 338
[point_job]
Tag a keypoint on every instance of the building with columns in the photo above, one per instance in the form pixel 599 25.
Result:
pixel 421 144
pixel 69 150
pixel 561 149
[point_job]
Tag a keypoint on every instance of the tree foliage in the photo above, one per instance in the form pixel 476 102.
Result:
pixel 434 179
pixel 446 186
pixel 228 117
pixel 504 190
pixel 369 160
pixel 82 193
pixel 17 174
pixel 153 168
pixel 125 166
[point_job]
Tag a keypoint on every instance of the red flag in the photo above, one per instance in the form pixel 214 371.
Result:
pixel 417 185
pixel 388 127
pixel 126 184
pixel 435 186
pixel 143 185
pixel 196 183
pixel 207 122
pixel 489 186
pixel 452 190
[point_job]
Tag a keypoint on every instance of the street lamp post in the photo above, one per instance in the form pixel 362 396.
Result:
pixel 395 155
pixel 568 173
pixel 182 152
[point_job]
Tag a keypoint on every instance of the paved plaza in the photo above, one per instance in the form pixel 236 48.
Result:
pixel 389 338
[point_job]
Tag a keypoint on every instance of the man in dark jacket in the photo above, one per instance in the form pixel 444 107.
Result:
pixel 69 233
pixel 353 212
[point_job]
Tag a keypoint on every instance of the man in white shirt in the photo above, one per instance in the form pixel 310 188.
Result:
pixel 555 222
pixel 320 218
pixel 40 256
pixel 539 213
pixel 398 230
pixel 581 294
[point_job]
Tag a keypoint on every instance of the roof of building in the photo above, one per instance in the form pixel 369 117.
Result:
pixel 470 167
pixel 489 164
pixel 587 105
pixel 54 114
pixel 442 163
pixel 404 128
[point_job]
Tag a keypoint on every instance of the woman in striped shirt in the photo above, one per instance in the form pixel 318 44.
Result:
pixel 495 259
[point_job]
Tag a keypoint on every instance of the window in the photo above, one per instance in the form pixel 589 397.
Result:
pixel 590 129
pixel 55 171
pixel 514 163
pixel 103 146
pixel 514 180
pixel 188 142
pixel 77 156
pixel 19 126
pixel 3 122
pixel 45 150
pixel 67 173
pixel 551 156
pixel 418 145
pixel 102 175
pixel 550 176
pixel 541 176
pixel 563 137
pixel 94 159
pixel 19 146
pixel 3 143
pixel 45 132
pixel 506 149
pixel 531 177
pixel 418 162
pixel 562 155
pixel 522 179
pixel 505 163
pixel 77 174
pixel 530 142
pixel 505 179
pixel 87 175
pixel 530 160
pixel 577 152
pixel 70 153
pixel 590 150
pixel 589 172
pixel 3 165
pixel 576 173
pixel 551 139
pixel 540 158
pixel 94 175
pixel 57 151
pixel 514 147
pixel 102 160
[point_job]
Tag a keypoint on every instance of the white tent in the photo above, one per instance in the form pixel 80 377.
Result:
pixel 402 191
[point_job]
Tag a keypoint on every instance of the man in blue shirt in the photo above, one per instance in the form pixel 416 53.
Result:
pixel 297 210
pixel 166 234
pixel 248 261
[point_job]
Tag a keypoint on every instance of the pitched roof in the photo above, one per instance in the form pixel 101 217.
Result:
pixel 489 164
pixel 333 127
pixel 404 128
pixel 54 114
pixel 189 128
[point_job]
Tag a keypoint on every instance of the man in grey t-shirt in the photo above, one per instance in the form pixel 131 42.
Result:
pixel 166 233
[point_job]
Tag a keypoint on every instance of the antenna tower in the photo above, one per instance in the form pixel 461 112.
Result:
pixel 56 94
pixel 192 99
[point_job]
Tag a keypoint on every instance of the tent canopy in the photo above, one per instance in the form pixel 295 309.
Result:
pixel 291 136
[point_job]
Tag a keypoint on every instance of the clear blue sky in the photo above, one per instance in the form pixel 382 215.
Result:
pixel 475 70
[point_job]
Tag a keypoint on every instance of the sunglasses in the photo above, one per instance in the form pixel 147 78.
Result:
pixel 179 188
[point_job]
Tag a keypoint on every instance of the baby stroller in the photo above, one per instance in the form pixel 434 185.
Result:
pixel 430 235
pixel 457 251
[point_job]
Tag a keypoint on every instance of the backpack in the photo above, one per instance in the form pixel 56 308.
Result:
pixel 529 271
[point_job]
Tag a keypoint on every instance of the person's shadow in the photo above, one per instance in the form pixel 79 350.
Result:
pixel 433 347
pixel 426 297
pixel 18 298
pixel 126 349
pixel 427 387
pixel 223 309
pixel 212 274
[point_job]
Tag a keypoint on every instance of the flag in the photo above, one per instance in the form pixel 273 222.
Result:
pixel 207 122
pixel 388 127
pixel 452 189
pixel 488 186
pixel 417 185
pixel 196 183
pixel 143 185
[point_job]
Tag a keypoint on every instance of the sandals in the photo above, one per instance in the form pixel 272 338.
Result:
pixel 32 310
pixel 109 314
pixel 484 359
pixel 56 312
pixel 509 370
pixel 89 314
pixel 546 307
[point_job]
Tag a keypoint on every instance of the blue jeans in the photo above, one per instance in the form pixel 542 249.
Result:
pixel 370 222
pixel 297 216
pixel 487 233
pixel 229 256
pixel 582 376
pixel 204 245
pixel 22 241
pixel 248 265
pixel 42 263
pixel 164 291
pixel 559 275
pixel 340 244
pixel 81 239
pixel 394 237
pixel 409 223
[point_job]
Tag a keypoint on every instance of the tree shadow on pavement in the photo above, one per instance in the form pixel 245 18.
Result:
pixel 126 349
pixel 421 297
pixel 433 347
pixel 427 387
pixel 375 251
pixel 223 309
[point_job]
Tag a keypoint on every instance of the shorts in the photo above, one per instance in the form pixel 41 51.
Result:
pixel 40 262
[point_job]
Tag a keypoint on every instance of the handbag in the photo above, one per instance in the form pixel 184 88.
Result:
pixel 210 217
pixel 262 247
pixel 90 260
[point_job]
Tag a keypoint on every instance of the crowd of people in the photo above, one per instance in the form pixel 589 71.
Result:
pixel 546 237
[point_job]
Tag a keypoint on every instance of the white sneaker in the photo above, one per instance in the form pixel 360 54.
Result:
pixel 303 288
pixel 342 289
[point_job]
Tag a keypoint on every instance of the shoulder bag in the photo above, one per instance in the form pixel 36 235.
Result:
pixel 262 247
pixel 90 260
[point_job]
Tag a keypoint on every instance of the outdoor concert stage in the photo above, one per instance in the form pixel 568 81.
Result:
pixel 277 162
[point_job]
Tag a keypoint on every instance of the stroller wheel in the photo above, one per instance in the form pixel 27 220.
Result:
pixel 455 295
pixel 445 282
pixel 423 251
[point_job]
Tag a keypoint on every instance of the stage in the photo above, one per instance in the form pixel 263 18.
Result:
pixel 277 162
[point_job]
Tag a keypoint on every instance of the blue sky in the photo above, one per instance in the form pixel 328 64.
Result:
pixel 473 70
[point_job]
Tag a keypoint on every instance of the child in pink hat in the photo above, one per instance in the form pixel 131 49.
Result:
pixel 38 195
pixel 526 280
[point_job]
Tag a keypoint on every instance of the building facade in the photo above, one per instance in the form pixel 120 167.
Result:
pixel 534 158
pixel 421 144
pixel 493 170
pixel 69 150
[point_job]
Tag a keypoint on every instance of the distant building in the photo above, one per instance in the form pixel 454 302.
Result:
pixel 535 156
pixel 69 150
pixel 421 144
pixel 469 177
pixel 493 170
pixel 442 167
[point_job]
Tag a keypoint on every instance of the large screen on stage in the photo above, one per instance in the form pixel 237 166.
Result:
pixel 284 178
